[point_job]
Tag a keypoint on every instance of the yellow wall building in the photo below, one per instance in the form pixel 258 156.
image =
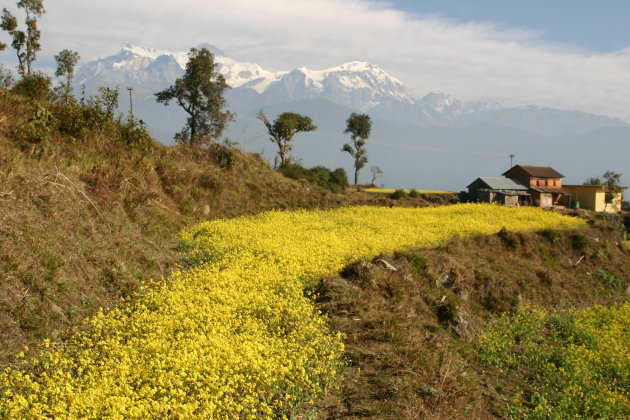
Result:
pixel 595 197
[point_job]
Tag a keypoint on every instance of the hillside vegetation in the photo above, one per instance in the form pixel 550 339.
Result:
pixel 234 335
pixel 498 326
pixel 90 207
pixel 439 316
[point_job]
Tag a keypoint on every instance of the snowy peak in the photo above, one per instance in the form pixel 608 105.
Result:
pixel 356 84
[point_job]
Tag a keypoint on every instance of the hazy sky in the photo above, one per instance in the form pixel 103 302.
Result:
pixel 559 53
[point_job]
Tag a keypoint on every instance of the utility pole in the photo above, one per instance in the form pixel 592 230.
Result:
pixel 511 157
pixel 130 88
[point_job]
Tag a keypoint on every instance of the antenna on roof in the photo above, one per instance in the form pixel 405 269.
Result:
pixel 511 158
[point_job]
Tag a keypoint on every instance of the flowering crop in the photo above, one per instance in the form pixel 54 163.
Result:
pixel 391 190
pixel 234 336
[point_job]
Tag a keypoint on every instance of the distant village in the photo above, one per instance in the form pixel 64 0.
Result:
pixel 542 186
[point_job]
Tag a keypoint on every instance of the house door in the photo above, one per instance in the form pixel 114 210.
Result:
pixel 545 200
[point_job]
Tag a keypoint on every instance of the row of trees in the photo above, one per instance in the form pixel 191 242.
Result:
pixel 200 93
pixel 26 43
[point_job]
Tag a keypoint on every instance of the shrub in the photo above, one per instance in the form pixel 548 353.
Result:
pixel 37 86
pixel 398 194
pixel 223 155
pixel 134 132
pixel 321 176
pixel 579 241
pixel 413 193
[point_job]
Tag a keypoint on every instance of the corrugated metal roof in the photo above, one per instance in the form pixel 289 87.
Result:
pixel 550 190
pixel 537 171
pixel 502 184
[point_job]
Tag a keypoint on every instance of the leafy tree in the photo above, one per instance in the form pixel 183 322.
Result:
pixel 593 181
pixel 200 94
pixel 612 179
pixel 283 129
pixel 376 173
pixel 66 61
pixel 26 44
pixel 359 126
pixel 611 182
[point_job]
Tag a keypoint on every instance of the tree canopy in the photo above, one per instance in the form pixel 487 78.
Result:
pixel 26 44
pixel 594 180
pixel 284 128
pixel 359 126
pixel 66 61
pixel 200 94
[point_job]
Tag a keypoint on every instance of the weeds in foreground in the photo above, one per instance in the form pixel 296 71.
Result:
pixel 574 365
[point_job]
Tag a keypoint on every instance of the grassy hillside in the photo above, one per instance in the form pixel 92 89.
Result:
pixel 413 330
pixel 90 206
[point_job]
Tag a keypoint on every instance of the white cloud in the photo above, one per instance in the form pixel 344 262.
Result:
pixel 471 60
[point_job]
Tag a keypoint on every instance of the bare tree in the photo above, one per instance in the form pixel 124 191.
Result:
pixel 376 173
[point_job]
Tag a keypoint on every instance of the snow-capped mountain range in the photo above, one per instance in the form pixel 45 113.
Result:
pixel 356 85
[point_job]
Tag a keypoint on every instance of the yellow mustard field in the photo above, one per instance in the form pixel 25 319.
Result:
pixel 234 336
pixel 391 190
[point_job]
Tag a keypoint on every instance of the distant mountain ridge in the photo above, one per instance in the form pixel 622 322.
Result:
pixel 433 142
pixel 356 85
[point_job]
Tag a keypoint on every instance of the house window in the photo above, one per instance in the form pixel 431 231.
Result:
pixel 608 198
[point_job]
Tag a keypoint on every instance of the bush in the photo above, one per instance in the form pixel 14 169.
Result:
pixel 413 193
pixel 398 194
pixel 97 113
pixel 37 86
pixel 319 175
pixel 223 155
pixel 579 241
pixel 134 132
